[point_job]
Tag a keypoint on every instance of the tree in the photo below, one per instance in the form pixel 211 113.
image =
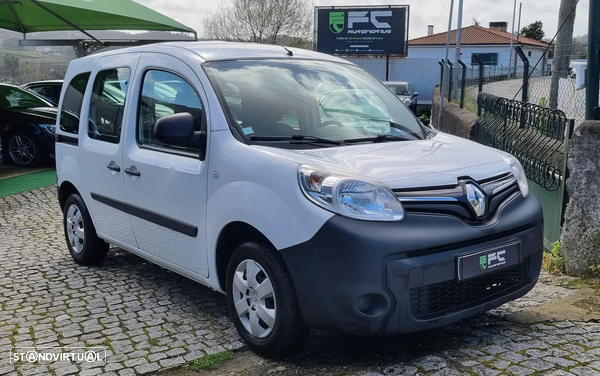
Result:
pixel 262 21
pixel 534 30
pixel 562 52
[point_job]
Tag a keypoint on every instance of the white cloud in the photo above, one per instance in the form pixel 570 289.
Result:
pixel 422 12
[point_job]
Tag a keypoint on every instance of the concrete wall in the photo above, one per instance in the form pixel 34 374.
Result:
pixel 456 120
pixel 580 237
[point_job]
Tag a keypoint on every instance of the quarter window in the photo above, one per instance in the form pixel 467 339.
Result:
pixel 71 106
pixel 107 105
pixel 163 94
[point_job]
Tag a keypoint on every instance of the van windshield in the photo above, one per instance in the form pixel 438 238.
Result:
pixel 285 101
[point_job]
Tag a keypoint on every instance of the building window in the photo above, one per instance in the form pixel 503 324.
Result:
pixel 529 53
pixel 487 58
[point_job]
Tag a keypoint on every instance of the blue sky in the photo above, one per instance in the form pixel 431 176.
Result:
pixel 422 12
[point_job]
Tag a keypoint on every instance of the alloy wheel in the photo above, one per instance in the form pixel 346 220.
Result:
pixel 21 150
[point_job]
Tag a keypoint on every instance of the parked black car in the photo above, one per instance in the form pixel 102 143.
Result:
pixel 27 126
pixel 49 90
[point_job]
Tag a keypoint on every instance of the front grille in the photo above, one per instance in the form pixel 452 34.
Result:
pixel 452 200
pixel 441 298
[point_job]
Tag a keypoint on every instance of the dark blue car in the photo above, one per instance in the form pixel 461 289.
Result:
pixel 27 126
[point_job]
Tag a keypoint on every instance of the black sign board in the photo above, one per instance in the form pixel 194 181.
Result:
pixel 351 31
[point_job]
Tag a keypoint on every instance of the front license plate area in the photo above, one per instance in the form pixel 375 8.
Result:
pixel 488 260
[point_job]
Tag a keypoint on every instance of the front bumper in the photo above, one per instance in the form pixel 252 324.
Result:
pixel 393 277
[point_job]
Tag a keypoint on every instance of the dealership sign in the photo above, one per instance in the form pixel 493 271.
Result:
pixel 362 30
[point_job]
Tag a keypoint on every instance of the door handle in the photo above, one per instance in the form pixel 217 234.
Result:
pixel 113 166
pixel 132 171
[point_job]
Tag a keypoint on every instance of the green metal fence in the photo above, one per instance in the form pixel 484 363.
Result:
pixel 539 138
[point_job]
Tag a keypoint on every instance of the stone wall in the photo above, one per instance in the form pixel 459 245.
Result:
pixel 456 120
pixel 580 238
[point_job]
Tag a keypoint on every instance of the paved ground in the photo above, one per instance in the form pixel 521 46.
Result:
pixel 150 319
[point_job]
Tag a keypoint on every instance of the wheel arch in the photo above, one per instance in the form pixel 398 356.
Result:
pixel 64 191
pixel 231 236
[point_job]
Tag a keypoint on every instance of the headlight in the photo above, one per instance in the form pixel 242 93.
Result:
pixel 350 196
pixel 407 102
pixel 49 128
pixel 517 171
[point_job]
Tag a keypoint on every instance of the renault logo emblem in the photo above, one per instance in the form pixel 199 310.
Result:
pixel 476 198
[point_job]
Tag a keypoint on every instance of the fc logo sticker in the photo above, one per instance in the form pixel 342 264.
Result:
pixel 492 260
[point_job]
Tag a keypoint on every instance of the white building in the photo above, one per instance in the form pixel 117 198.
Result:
pixel 492 45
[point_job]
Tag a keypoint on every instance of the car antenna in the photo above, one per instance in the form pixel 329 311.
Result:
pixel 289 52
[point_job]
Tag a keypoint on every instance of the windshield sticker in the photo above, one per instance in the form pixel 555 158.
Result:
pixel 248 130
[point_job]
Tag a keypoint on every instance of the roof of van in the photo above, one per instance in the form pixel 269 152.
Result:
pixel 219 50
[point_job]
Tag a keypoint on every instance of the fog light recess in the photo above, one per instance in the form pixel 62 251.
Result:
pixel 372 305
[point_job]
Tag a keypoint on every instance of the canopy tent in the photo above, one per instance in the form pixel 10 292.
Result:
pixel 29 16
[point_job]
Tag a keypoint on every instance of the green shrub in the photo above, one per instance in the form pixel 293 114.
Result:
pixel 425 110
pixel 553 261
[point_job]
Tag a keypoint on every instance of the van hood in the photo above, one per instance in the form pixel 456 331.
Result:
pixel 438 161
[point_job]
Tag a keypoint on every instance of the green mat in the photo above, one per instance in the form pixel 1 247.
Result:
pixel 27 182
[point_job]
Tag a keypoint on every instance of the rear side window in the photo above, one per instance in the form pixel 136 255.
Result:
pixel 44 91
pixel 107 105
pixel 71 106
pixel 163 94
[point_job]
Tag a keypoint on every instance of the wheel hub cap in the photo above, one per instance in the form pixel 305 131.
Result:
pixel 75 231
pixel 254 298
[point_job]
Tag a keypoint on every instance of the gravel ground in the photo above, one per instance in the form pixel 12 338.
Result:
pixel 152 320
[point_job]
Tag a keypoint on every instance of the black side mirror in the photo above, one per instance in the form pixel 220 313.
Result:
pixel 176 129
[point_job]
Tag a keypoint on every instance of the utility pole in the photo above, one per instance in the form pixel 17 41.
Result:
pixel 445 70
pixel 518 33
pixel 593 61
pixel 458 33
pixel 562 51
pixel 512 37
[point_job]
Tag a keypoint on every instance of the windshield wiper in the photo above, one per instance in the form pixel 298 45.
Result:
pixel 378 138
pixel 404 128
pixel 296 138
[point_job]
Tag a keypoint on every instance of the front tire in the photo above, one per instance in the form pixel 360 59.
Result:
pixel 262 300
pixel 84 244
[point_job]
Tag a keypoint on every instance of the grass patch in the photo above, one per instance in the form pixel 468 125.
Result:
pixel 27 182
pixel 153 341
pixel 212 361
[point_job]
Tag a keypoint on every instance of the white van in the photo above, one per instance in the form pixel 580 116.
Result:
pixel 294 182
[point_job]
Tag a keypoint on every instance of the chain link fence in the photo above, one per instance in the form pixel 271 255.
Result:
pixel 531 84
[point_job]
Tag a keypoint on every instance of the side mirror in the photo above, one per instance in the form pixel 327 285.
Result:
pixel 176 129
pixel 415 94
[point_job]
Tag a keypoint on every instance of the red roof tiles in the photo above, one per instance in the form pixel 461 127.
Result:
pixel 474 35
